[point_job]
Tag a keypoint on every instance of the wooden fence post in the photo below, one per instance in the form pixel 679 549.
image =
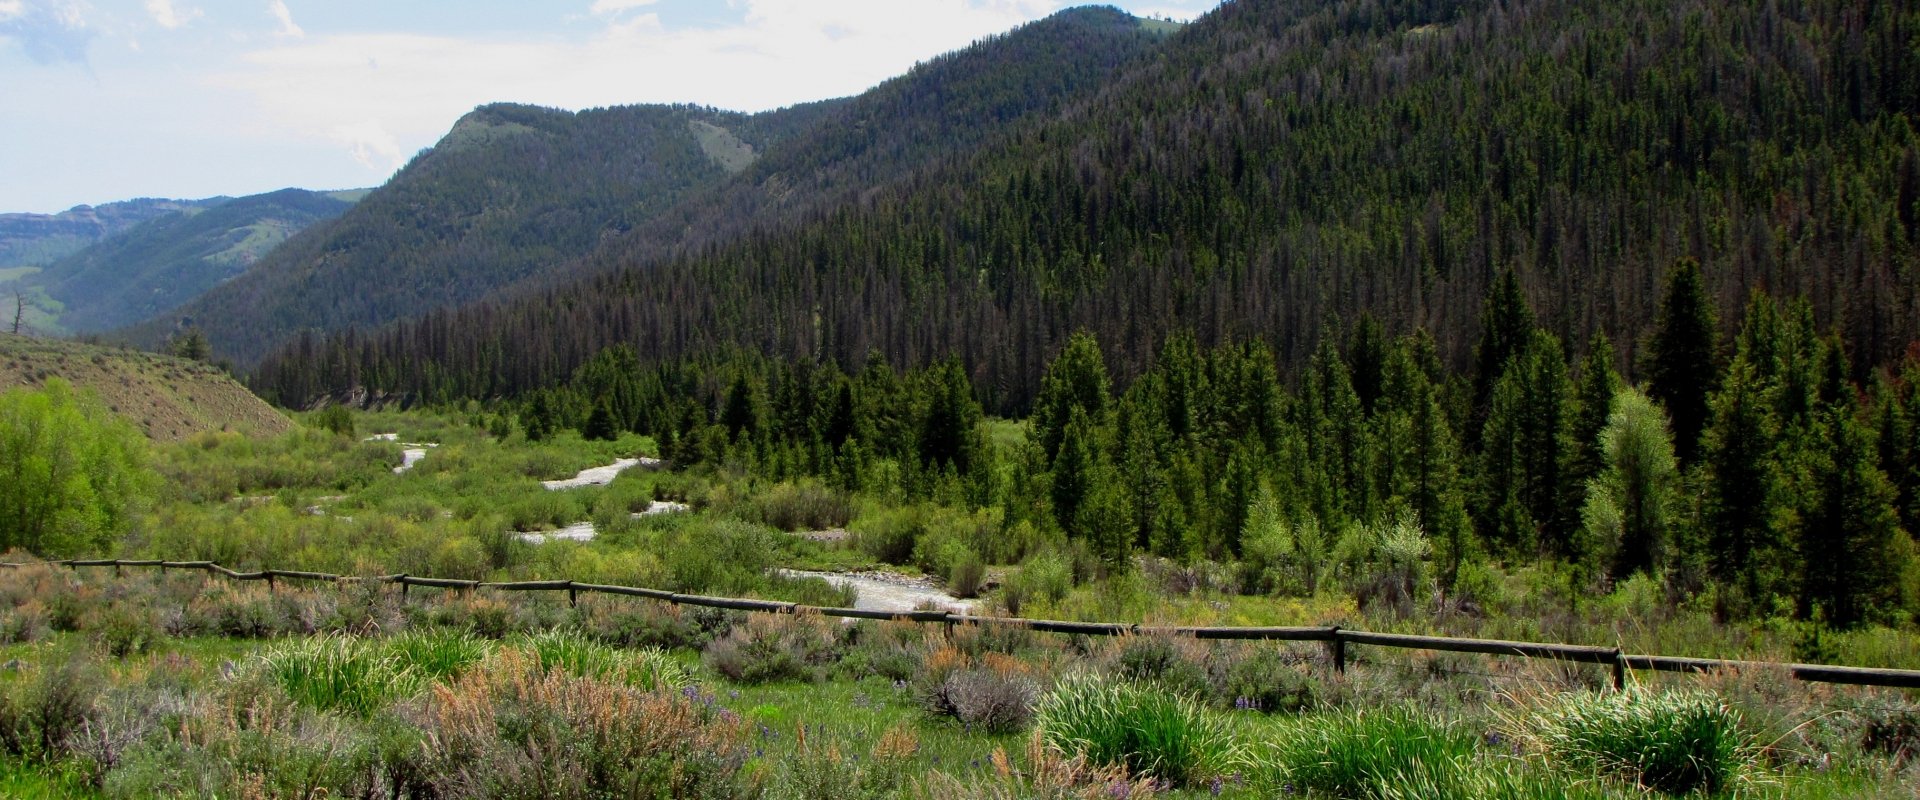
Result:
pixel 1339 651
pixel 1619 671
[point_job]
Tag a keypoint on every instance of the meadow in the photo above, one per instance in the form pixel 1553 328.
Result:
pixel 183 684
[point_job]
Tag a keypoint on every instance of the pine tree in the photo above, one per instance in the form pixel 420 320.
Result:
pixel 1681 369
pixel 949 426
pixel 741 417
pixel 1740 507
pixel 1506 323
pixel 1593 402
pixel 1076 379
pixel 600 425
pixel 1852 550
pixel 1074 474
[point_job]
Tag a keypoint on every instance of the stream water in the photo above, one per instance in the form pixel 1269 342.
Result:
pixel 885 591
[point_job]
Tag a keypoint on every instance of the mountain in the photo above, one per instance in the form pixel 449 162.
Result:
pixel 168 398
pixel 158 264
pixel 1283 164
pixel 509 191
pixel 36 240
pixel 533 197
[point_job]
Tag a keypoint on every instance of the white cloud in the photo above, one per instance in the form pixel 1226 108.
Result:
pixel 785 51
pixel 164 13
pixel 287 27
pixel 613 7
pixel 51 32
pixel 370 144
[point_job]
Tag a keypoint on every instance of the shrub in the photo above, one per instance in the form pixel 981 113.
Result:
pixel 773 647
pixel 816 772
pixel 992 700
pixel 966 575
pixel 1160 659
pixel 1049 773
pixel 24 624
pixel 1121 723
pixel 640 624
pixel 514 730
pixel 122 631
pixel 804 506
pixel 42 717
pixel 1262 679
pixel 1668 741
pixel 888 536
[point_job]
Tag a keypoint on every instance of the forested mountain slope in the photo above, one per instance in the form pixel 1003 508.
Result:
pixel 508 191
pixel 937 113
pixel 36 240
pixel 1281 163
pixel 164 262
pixel 489 207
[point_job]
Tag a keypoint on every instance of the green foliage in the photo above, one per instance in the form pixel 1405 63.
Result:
pixel 335 418
pixel 71 474
pixel 436 654
pixel 1675 742
pixel 1149 731
pixel 574 654
pixel 338 673
pixel 1681 368
pixel 1630 506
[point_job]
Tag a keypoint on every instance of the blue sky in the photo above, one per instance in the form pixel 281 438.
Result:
pixel 105 100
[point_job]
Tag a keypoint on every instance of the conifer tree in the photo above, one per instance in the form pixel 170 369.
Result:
pixel 600 425
pixel 1742 490
pixel 1074 472
pixel 1681 369
pixel 948 429
pixel 1593 402
pixel 1852 550
pixel 1506 323
pixel 1076 379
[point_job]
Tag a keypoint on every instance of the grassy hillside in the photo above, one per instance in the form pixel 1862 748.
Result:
pixel 169 398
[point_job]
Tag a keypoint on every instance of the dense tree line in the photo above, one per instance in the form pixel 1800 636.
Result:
pixel 1798 499
pixel 1283 164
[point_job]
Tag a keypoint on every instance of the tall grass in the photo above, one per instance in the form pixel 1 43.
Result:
pixel 1675 741
pixel 436 654
pixel 572 653
pixel 1400 753
pixel 1146 730
pixel 339 673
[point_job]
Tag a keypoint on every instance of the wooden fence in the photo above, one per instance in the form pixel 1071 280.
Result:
pixel 1339 641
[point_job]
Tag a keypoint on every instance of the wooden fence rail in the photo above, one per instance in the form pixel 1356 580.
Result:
pixel 1338 640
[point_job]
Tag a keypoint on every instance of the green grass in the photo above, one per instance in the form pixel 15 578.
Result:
pixel 339 673
pixel 1148 730
pixel 1674 741
pixel 568 651
pixel 436 654
pixel 16 273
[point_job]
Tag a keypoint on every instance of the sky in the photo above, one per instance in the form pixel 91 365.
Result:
pixel 104 100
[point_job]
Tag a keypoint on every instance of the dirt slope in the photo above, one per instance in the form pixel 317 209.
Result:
pixel 169 398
